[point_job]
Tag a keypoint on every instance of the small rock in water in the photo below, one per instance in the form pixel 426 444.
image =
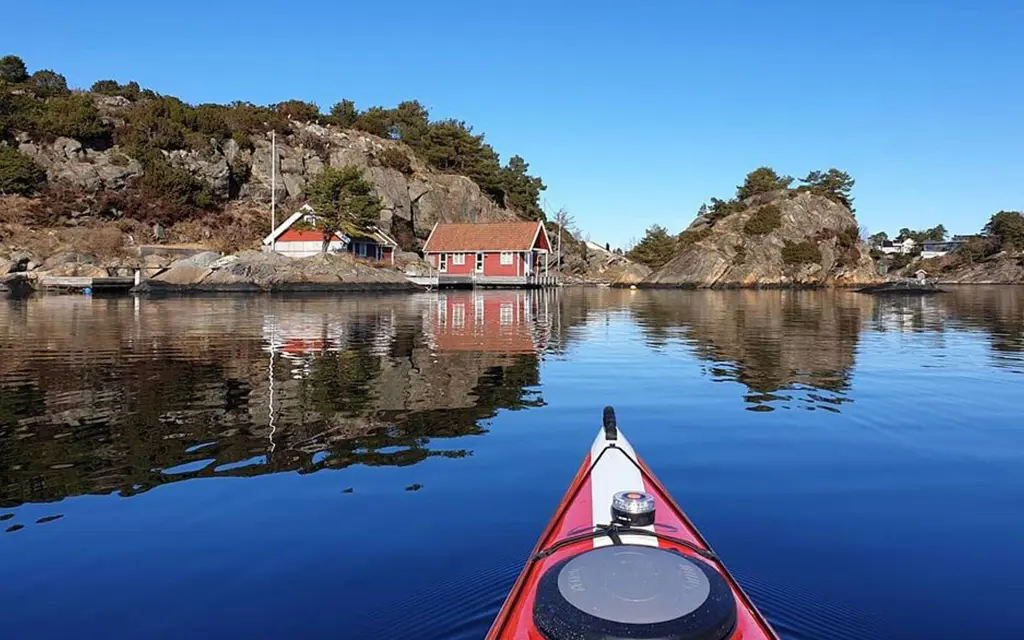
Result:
pixel 414 487
pixel 49 519
pixel 349 490
pixel 15 527
pixel 6 516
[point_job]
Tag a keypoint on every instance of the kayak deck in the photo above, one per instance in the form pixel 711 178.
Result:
pixel 583 522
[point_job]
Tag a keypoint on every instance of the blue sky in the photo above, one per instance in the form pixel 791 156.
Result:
pixel 632 113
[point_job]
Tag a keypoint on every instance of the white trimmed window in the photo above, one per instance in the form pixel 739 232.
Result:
pixel 458 258
pixel 506 257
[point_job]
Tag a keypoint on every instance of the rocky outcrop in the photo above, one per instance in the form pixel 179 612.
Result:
pixel 253 271
pixel 67 160
pixel 727 253
pixel 415 197
pixel 1002 268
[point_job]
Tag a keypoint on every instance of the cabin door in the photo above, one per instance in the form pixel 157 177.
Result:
pixel 444 263
pixel 479 263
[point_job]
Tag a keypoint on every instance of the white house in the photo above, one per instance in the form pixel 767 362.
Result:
pixel 896 246
pixel 306 241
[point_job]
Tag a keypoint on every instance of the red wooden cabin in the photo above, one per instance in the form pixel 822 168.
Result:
pixel 493 249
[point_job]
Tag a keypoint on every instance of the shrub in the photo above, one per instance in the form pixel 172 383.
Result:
pixel 19 112
pixel 849 236
pixel 741 254
pixel 12 69
pixel 394 158
pixel 765 220
pixel 73 117
pixel 299 111
pixel 132 91
pixel 244 140
pixel 692 236
pixel 797 253
pixel 161 179
pixel 19 173
pixel 46 84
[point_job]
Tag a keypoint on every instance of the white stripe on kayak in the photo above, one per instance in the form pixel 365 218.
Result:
pixel 612 473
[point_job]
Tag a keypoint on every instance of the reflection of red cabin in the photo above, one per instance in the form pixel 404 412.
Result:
pixel 510 249
pixel 493 322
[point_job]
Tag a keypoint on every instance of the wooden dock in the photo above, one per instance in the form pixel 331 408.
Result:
pixel 81 284
pixel 474 280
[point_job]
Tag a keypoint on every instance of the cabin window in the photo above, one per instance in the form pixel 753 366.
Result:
pixel 506 257
pixel 458 258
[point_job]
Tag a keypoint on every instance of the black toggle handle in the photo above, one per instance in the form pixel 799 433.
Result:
pixel 610 427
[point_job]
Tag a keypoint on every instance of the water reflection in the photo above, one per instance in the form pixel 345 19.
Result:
pixel 104 396
pixel 101 396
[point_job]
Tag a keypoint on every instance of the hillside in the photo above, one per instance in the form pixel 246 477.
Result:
pixel 119 157
pixel 768 235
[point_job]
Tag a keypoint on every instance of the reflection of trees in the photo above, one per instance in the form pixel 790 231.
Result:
pixel 998 311
pixel 777 343
pixel 168 392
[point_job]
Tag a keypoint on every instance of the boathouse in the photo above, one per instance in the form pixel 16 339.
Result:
pixel 494 253
pixel 298 237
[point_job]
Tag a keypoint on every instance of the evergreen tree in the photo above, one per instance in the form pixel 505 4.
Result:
pixel 834 184
pixel 762 180
pixel 344 114
pixel 1007 227
pixel 344 202
pixel 13 70
pixel 19 173
pixel 655 249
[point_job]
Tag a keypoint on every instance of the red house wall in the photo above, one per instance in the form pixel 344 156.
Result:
pixel 493 266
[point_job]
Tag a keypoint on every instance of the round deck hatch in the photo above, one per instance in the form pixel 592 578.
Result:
pixel 634 592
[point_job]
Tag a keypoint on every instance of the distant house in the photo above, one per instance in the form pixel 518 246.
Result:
pixel 502 250
pixel 937 249
pixel 897 246
pixel 297 237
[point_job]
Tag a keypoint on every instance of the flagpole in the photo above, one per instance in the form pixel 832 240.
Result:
pixel 273 185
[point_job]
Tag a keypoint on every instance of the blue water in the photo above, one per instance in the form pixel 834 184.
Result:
pixel 379 468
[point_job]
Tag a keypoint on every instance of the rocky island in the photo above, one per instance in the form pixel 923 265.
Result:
pixel 769 235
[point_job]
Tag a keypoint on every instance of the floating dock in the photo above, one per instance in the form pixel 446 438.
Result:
pixel 81 284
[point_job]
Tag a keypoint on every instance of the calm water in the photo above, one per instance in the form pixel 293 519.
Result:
pixel 380 467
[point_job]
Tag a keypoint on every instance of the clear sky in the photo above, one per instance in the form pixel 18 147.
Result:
pixel 632 112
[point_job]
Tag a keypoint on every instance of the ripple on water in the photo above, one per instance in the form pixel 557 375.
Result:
pixel 798 615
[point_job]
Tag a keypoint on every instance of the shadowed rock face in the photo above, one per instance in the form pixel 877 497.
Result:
pixel 730 257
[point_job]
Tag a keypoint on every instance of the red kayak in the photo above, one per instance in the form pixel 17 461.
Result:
pixel 620 560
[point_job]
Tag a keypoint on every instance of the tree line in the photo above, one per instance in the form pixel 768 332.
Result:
pixel 42 105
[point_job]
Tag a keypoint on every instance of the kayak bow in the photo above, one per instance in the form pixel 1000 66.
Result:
pixel 620 560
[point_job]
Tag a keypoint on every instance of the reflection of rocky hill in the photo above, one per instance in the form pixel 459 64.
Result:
pixel 106 396
pixel 771 341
